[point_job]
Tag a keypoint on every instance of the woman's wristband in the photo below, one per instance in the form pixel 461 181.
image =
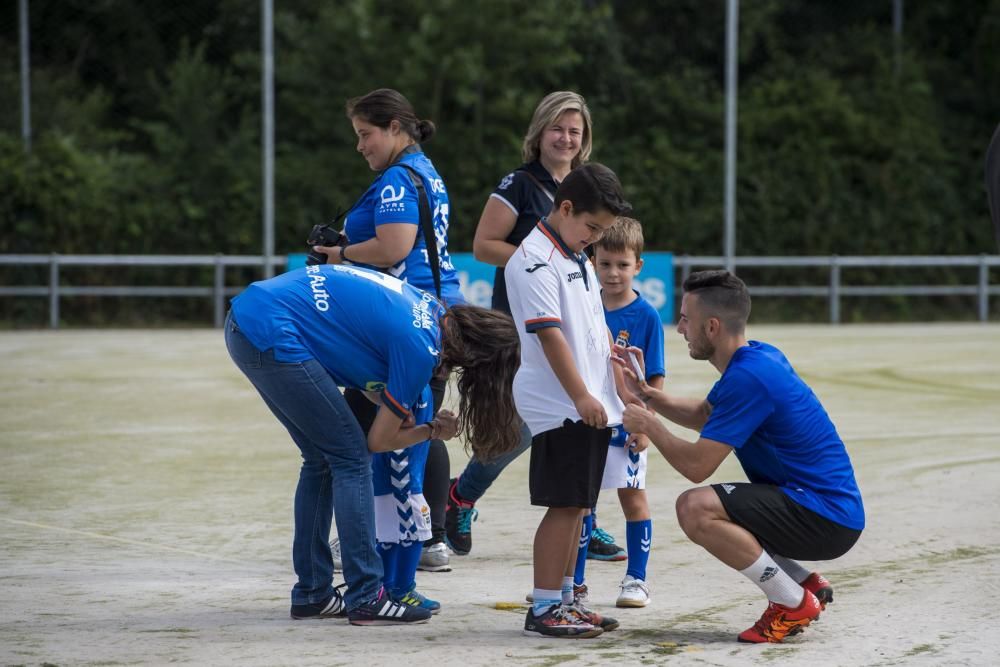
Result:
pixel 343 254
pixel 432 426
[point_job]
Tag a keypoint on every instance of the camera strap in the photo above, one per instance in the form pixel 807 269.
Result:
pixel 426 224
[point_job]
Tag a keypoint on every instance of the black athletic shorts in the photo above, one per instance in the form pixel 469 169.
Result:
pixel 781 525
pixel 567 464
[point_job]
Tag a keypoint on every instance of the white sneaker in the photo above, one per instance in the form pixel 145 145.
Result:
pixel 435 558
pixel 338 564
pixel 633 593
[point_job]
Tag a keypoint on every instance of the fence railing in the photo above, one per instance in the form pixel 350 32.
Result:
pixel 834 290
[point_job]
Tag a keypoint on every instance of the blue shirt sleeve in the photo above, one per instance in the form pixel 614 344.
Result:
pixel 411 364
pixel 740 404
pixel 396 198
pixel 653 352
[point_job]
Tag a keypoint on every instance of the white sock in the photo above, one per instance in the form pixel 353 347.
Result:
pixel 543 599
pixel 791 568
pixel 776 584
pixel 567 590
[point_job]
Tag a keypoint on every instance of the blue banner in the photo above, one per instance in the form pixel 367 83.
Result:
pixel 655 282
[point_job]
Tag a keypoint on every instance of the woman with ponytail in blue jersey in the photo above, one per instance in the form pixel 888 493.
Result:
pixel 301 335
pixel 400 226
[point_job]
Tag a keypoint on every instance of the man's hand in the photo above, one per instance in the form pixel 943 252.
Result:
pixel 633 366
pixel 591 411
pixel 637 420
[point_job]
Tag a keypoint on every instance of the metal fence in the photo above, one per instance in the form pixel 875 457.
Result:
pixel 834 290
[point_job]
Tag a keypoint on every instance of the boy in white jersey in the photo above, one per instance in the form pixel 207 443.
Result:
pixel 566 390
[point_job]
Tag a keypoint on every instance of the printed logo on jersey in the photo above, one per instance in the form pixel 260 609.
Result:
pixel 622 338
pixel 507 180
pixel 535 268
pixel 374 385
pixel 728 488
pixel 392 200
pixel 576 275
pixel 437 185
pixel 421 311
pixel 317 283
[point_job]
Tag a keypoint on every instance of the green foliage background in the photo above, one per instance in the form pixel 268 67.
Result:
pixel 146 119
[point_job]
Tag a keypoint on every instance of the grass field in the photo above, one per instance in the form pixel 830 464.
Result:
pixel 145 509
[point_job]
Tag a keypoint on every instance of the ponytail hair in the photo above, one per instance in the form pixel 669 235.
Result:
pixel 381 107
pixel 482 345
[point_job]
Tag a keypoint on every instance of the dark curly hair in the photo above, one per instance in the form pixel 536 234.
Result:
pixel 483 348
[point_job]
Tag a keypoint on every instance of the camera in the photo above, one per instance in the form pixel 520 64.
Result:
pixel 323 235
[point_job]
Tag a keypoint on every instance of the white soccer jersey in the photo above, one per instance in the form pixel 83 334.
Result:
pixel 550 286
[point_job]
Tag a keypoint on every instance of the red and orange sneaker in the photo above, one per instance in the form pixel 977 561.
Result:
pixel 779 621
pixel 818 585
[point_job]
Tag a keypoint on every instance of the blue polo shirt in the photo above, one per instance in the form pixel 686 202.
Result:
pixel 639 325
pixel 392 198
pixel 370 331
pixel 782 435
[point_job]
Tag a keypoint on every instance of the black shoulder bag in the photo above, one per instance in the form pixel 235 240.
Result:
pixel 426 224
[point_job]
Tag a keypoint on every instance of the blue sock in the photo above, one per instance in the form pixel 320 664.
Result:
pixel 406 567
pixel 581 555
pixel 638 539
pixel 388 552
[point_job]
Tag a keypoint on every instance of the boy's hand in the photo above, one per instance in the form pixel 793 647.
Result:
pixel 638 442
pixel 447 425
pixel 591 411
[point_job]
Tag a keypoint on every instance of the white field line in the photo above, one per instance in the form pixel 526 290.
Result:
pixel 124 540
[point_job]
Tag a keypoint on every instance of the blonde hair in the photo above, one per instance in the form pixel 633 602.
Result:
pixel 625 235
pixel 546 114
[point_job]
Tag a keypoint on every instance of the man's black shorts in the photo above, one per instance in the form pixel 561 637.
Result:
pixel 781 525
pixel 567 464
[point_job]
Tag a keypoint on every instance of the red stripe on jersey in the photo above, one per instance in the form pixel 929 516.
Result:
pixel 554 240
pixel 395 403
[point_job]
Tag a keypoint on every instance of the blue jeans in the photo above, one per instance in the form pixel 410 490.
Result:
pixel 336 474
pixel 479 476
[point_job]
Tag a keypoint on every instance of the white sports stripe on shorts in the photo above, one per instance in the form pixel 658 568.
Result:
pixel 625 469
pixel 409 522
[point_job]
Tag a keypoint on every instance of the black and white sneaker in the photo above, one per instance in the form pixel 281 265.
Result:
pixel 384 611
pixel 332 607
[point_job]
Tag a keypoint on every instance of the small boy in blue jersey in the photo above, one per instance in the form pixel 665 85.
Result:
pixel 402 514
pixel 633 322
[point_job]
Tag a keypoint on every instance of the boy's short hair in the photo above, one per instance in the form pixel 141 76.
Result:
pixel 592 187
pixel 623 236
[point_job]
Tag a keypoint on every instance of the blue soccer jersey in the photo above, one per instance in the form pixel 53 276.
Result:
pixel 370 331
pixel 782 435
pixel 392 198
pixel 638 325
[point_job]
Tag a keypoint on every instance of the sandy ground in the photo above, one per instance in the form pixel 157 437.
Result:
pixel 145 498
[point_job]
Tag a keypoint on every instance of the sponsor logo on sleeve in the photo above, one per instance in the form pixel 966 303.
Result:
pixel 392 200
pixel 507 180
pixel 535 268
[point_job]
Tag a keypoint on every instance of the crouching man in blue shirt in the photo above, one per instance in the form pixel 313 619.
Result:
pixel 802 501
